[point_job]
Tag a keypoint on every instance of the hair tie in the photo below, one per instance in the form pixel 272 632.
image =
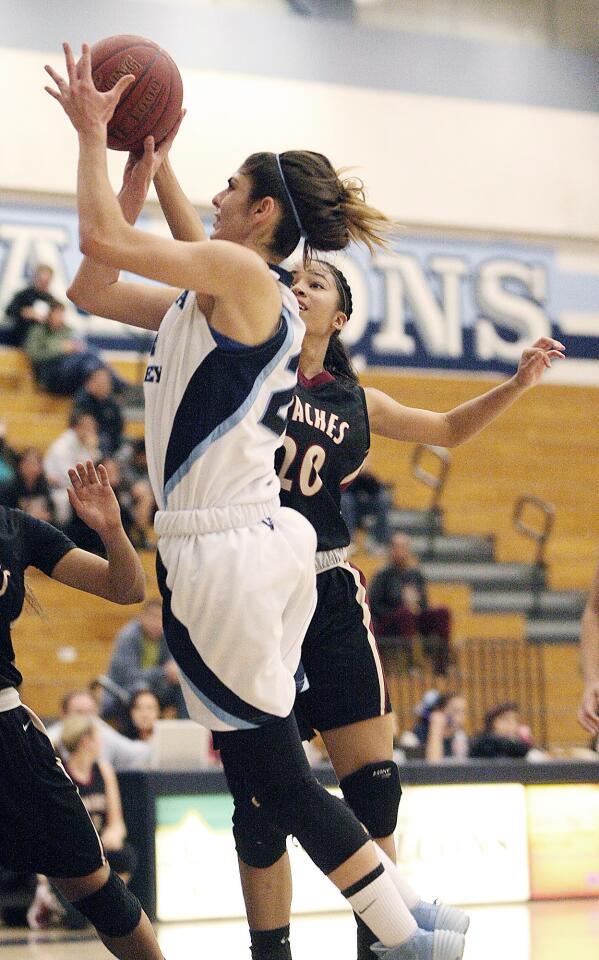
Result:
pixel 303 233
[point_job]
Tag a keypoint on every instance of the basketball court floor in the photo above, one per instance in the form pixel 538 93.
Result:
pixel 560 930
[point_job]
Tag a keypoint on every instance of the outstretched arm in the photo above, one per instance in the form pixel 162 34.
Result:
pixel 180 213
pixel 120 577
pixel 222 270
pixel 588 714
pixel 391 419
pixel 96 287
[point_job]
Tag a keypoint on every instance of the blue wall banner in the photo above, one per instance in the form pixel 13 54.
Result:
pixel 429 303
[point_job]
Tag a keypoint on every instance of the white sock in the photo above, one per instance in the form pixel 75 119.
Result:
pixel 406 891
pixel 377 902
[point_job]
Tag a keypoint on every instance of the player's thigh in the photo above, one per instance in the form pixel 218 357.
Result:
pixel 340 657
pixel 44 827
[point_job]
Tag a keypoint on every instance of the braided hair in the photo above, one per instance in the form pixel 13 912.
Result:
pixel 337 360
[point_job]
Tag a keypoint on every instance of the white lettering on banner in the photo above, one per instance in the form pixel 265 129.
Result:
pixel 27 245
pixel 439 324
pixel 438 302
pixel 522 314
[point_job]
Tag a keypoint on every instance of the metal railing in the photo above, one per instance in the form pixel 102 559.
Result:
pixel 538 528
pixel 435 480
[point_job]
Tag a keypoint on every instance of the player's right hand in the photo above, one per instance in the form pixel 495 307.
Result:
pixel 588 713
pixel 87 108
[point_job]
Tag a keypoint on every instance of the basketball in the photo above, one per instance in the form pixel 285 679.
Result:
pixel 151 105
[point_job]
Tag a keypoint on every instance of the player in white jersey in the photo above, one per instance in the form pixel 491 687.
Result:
pixel 236 571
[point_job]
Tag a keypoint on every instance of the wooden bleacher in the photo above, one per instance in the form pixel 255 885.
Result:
pixel 546 445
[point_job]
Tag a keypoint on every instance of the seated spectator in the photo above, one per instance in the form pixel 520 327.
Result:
pixel 98 788
pixel 440 728
pixel 144 711
pixel 97 398
pixel 8 457
pixel 503 734
pixel 75 445
pixel 30 305
pixel 133 460
pixel 367 497
pixel 121 753
pixel 141 658
pixel 29 489
pixel 137 512
pixel 399 604
pixel 61 362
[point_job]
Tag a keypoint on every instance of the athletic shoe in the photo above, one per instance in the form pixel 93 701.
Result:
pixel 424 945
pixel 440 916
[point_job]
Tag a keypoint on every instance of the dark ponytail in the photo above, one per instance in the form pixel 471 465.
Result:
pixel 337 360
pixel 329 212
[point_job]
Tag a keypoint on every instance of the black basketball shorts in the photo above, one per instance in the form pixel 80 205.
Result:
pixel 44 827
pixel 340 657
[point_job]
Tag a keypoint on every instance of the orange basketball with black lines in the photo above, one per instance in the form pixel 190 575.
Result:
pixel 151 105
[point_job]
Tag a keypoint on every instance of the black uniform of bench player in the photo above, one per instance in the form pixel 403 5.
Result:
pixel 44 826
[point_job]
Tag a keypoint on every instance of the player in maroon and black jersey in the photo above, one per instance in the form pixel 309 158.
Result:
pixel 326 443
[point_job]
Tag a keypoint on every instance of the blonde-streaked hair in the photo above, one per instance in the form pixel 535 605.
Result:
pixel 75 727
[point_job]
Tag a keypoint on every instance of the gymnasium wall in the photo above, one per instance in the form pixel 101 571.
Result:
pixel 446 131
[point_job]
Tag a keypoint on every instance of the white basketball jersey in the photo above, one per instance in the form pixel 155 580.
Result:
pixel 216 409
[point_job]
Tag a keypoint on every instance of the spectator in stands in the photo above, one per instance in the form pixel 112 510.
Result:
pixel 144 711
pixel 136 513
pixel 588 713
pixel 141 658
pixel 97 398
pixel 440 727
pixel 367 497
pixel 98 788
pixel 132 458
pixel 29 490
pixel 502 735
pixel 121 753
pixel 30 305
pixel 8 457
pixel 75 445
pixel 399 605
pixel 61 362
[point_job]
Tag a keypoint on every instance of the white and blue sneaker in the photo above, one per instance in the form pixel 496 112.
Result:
pixel 440 916
pixel 424 945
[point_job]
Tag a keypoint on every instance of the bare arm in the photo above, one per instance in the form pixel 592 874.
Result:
pixel 115 830
pixel 588 714
pixel 96 287
pixel 226 271
pixel 120 577
pixel 391 419
pixel 180 213
pixel 433 751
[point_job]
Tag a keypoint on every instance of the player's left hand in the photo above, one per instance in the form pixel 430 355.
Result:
pixel 86 107
pixel 536 359
pixel 140 170
pixel 92 498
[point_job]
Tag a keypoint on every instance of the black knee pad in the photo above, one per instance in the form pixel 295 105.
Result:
pixel 112 909
pixel 258 842
pixel 373 792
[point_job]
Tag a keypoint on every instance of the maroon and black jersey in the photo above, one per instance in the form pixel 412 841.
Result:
pixel 326 443
pixel 24 542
